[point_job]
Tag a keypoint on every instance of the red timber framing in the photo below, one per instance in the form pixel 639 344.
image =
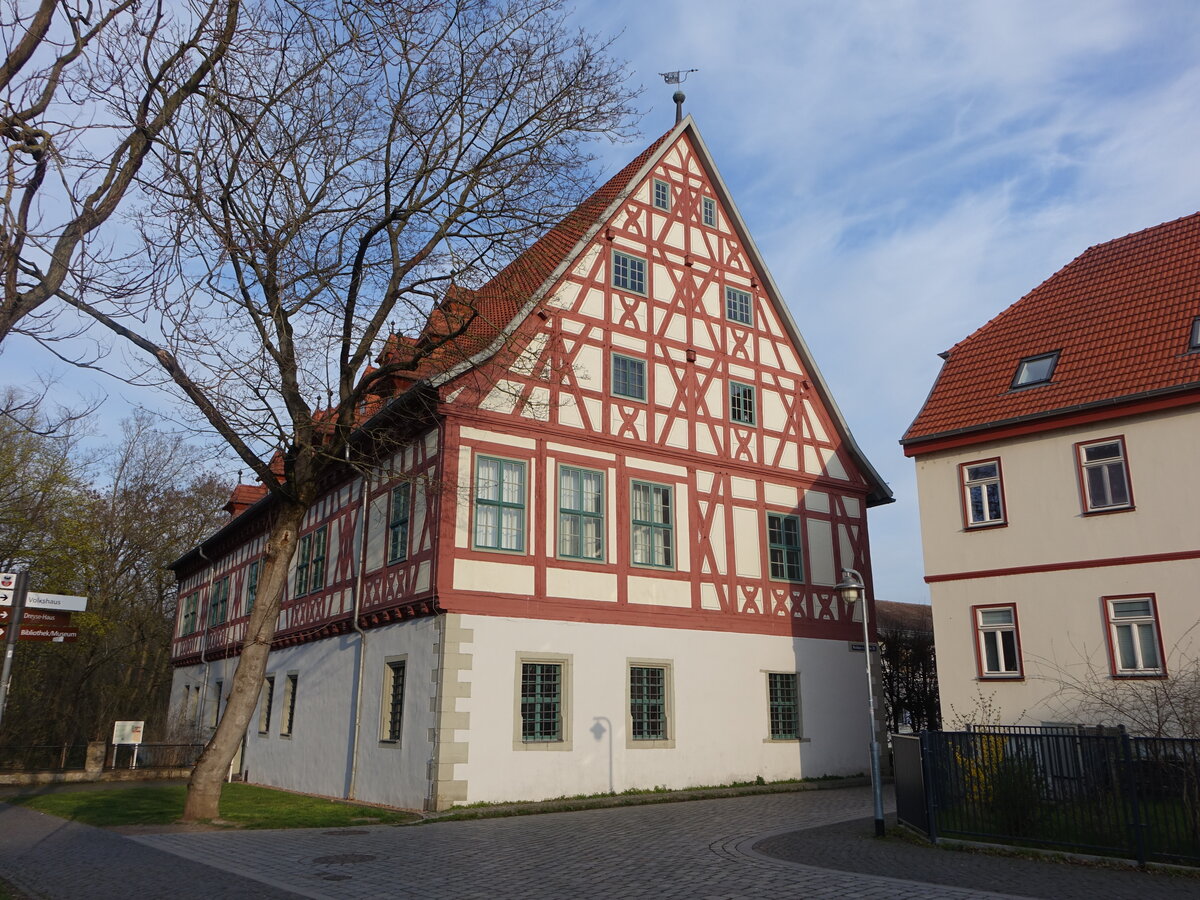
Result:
pixel 557 407
pixel 391 591
pixel 546 398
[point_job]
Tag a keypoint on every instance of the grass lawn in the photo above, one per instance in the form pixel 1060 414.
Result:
pixel 244 805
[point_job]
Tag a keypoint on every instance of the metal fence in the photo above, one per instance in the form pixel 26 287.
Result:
pixel 1074 789
pixel 73 757
pixel 43 758
pixel 153 756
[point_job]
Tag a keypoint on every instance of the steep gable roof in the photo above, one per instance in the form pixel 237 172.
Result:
pixel 517 289
pixel 1119 316
pixel 483 315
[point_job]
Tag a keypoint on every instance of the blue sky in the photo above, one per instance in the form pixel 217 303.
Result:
pixel 908 169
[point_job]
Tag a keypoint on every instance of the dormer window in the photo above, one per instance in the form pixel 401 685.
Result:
pixel 1194 340
pixel 1035 370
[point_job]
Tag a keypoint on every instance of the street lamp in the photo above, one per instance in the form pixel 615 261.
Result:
pixel 852 590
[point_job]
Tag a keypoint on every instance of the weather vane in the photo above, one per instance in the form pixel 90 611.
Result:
pixel 678 77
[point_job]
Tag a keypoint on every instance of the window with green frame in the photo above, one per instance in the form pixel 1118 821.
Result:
pixel 218 604
pixel 541 702
pixel 648 702
pixel 290 687
pixel 398 523
pixel 652 525
pixel 628 377
pixel 783 691
pixel 499 504
pixel 738 306
pixel 252 584
pixel 741 403
pixel 310 562
pixel 628 272
pixel 783 547
pixel 393 691
pixel 580 513
pixel 191 605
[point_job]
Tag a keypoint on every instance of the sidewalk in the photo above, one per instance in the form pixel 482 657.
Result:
pixel 45 856
pixel 852 847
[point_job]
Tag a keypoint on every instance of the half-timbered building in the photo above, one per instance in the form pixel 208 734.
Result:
pixel 601 552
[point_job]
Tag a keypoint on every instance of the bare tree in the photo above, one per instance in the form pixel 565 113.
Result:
pixel 1147 707
pixel 86 88
pixel 908 668
pixel 353 173
pixel 105 524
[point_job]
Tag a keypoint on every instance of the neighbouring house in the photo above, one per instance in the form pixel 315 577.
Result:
pixel 1056 471
pixel 599 558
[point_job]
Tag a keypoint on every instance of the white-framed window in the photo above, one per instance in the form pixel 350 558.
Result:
pixel 628 272
pixel 652 525
pixel 739 306
pixel 310 561
pixel 783 547
pixel 1104 475
pixel 288 720
pixel 628 377
pixel 741 403
pixel 580 513
pixel 1134 637
pixel 398 523
pixel 499 504
pixel 982 493
pixel 266 699
pixel 391 718
pixel 1194 336
pixel 1035 370
pixel 708 212
pixel 999 645
pixel 662 194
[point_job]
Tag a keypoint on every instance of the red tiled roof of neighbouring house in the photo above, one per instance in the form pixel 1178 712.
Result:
pixel 1120 318
pixel 484 313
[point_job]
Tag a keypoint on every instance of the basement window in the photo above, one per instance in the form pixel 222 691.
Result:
pixel 1035 370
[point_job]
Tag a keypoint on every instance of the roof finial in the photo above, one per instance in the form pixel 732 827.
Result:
pixel 678 77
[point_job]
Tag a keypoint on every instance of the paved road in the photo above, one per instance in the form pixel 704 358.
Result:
pixel 700 850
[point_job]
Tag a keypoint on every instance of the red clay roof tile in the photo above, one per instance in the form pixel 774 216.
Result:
pixel 1119 315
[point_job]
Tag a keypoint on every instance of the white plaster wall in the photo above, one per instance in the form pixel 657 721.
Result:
pixel 1043 505
pixel 1062 630
pixel 719 724
pixel 316 757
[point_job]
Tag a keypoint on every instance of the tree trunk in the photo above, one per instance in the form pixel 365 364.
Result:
pixel 204 787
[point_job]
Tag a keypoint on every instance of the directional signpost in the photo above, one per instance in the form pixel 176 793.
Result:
pixel 27 615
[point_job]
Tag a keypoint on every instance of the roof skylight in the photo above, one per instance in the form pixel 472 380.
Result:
pixel 1194 342
pixel 1035 370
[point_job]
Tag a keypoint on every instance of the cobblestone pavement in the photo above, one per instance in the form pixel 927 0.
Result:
pixel 813 844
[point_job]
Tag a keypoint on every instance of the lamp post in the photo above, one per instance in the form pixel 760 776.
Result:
pixel 852 590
